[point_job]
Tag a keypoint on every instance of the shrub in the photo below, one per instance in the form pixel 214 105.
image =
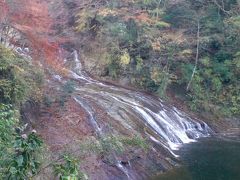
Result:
pixel 19 81
pixel 69 169
pixel 24 163
pixel 113 144
pixel 16 76
pixel 162 24
pixel 8 122
pixel 18 152
pixel 68 87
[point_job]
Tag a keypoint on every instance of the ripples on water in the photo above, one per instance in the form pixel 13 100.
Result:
pixel 208 159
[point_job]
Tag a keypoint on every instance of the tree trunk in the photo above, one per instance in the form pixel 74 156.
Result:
pixel 197 55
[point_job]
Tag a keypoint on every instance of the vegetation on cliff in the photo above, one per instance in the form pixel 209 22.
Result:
pixel 188 47
pixel 19 82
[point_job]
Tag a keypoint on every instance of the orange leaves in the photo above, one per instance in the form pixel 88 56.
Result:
pixel 141 17
pixel 31 17
pixel 45 50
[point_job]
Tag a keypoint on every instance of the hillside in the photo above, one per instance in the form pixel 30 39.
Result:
pixel 187 48
pixel 99 89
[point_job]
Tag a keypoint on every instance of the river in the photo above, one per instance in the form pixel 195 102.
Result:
pixel 207 159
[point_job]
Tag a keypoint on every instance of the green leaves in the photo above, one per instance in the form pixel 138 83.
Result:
pixel 215 86
pixel 132 30
pixel 162 35
pixel 19 161
pixel 8 121
pixel 18 153
pixel 16 76
pixel 113 144
pixel 68 169
pixel 24 162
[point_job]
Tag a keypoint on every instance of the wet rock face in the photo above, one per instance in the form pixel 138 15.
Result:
pixel 95 109
pixel 30 114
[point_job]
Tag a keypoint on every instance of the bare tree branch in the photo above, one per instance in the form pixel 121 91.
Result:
pixel 221 7
pixel 197 54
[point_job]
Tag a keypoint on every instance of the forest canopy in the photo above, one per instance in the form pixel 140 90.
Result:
pixel 187 47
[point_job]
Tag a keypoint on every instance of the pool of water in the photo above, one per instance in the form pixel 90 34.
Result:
pixel 208 159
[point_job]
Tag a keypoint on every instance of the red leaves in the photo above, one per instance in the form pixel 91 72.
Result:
pixel 31 17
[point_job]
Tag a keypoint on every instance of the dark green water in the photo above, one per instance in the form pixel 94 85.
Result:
pixel 208 159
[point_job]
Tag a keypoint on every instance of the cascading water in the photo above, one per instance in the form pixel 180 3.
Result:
pixel 91 114
pixel 163 125
pixel 135 112
pixel 127 112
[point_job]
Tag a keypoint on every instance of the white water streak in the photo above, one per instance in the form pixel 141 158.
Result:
pixel 169 124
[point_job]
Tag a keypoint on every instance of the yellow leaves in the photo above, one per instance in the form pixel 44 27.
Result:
pixel 106 12
pixel 156 45
pixel 82 19
pixel 235 21
pixel 80 26
pixel 5 52
pixel 125 59
pixel 162 24
pixel 22 80
pixel 64 71
pixel 187 52
pixel 159 75
pixel 21 70
pixel 205 61
pixel 156 75
pixel 139 61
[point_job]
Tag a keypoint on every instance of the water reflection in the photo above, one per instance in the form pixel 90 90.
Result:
pixel 208 159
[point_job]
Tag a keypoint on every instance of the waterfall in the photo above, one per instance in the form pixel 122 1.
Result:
pixel 163 124
pixel 90 112
pixel 77 62
pixel 166 123
pixel 124 170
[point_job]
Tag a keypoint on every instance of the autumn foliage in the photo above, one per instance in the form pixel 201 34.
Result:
pixel 32 19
